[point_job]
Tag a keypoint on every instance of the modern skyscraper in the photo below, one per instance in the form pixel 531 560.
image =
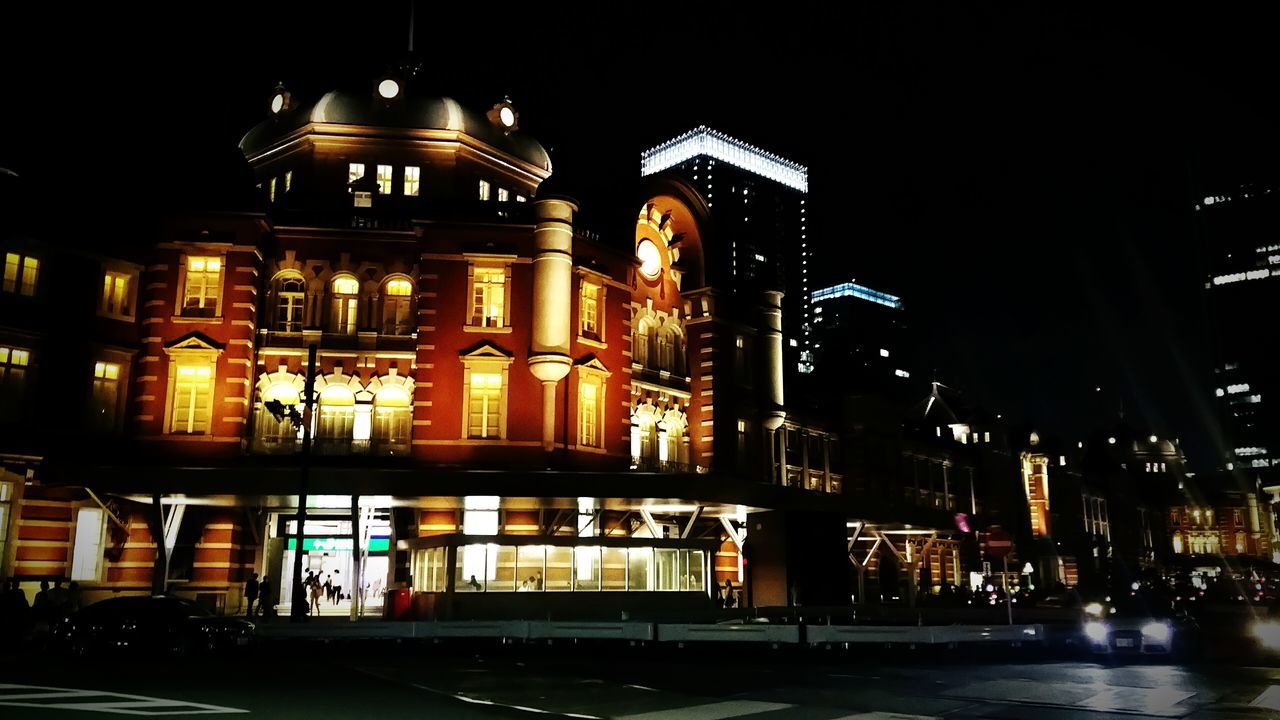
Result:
pixel 758 202
pixel 859 335
pixel 1242 257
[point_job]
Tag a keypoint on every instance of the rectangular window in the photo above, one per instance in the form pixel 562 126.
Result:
pixel 486 190
pixel 588 413
pixel 288 180
pixel 203 287
pixel 192 399
pixel 384 179
pixel 355 171
pixel 589 313
pixel 86 556
pixel 504 195
pixel 106 394
pixel 364 199
pixel 13 374
pixel 115 295
pixel 489 297
pixel 273 189
pixel 484 405
pixel 521 198
pixel 412 179
pixel 20 273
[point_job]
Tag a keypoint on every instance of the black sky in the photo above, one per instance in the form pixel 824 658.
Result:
pixel 1022 176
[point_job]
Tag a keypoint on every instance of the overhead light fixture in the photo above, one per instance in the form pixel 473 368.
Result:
pixel 504 115
pixel 389 89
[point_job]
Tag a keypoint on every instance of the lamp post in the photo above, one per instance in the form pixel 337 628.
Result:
pixel 299 606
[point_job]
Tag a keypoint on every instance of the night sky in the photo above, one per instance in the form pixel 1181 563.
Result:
pixel 1022 177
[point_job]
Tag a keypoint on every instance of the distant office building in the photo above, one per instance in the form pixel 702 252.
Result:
pixel 758 202
pixel 1242 256
pixel 860 334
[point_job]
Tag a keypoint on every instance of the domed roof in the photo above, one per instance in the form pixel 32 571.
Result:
pixel 408 112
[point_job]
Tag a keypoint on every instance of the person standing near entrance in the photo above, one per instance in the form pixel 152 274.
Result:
pixel 315 591
pixel 337 590
pixel 264 599
pixel 251 593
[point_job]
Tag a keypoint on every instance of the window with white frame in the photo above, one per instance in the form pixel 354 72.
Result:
pixel 384 179
pixel 116 300
pixel 504 195
pixel 397 295
pixel 589 310
pixel 488 296
pixel 484 405
pixel 192 399
pixel 346 304
pixel 86 553
pixel 20 274
pixel 590 409
pixel 486 191
pixel 392 418
pixel 202 286
pixel 276 434
pixel 336 426
pixel 291 295
pixel 355 171
pixel 640 340
pixel 13 377
pixel 412 180
pixel 106 395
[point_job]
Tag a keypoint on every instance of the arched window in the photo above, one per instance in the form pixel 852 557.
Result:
pixel 277 435
pixel 665 357
pixel 346 304
pixel 392 420
pixel 290 301
pixel 1177 543
pixel 671 443
pixel 337 419
pixel 396 297
pixel 640 342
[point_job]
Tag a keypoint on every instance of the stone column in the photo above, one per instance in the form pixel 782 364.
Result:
pixel 549 359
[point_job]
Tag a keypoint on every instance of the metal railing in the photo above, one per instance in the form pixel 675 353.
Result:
pixel 654 465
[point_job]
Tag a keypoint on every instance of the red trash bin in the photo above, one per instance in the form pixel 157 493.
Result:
pixel 398 603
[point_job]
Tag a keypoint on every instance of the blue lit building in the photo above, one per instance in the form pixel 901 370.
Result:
pixel 860 336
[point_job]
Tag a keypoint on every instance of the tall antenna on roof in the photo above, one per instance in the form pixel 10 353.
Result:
pixel 413 6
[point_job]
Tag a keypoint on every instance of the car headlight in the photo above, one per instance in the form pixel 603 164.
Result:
pixel 1096 631
pixel 1268 634
pixel 1156 631
pixel 1094 609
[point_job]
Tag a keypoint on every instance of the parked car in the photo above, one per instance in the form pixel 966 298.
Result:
pixel 160 623
pixel 1137 623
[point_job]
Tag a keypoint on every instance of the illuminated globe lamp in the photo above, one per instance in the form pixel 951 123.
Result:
pixel 650 258
pixel 388 88
pixel 504 116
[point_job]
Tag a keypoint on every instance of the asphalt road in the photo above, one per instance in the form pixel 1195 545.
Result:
pixel 387 680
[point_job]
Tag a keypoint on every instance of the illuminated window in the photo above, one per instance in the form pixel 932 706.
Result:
pixel 106 394
pixel 484 405
pixel 202 288
pixel 486 190
pixel 504 195
pixel 13 375
pixel 290 301
pixel 640 339
pixel 384 179
pixel 115 295
pixel 396 297
pixel 346 305
pixel 590 409
pixel 277 435
pixel 288 180
pixel 355 171
pixel 192 399
pixel 272 186
pixel 521 198
pixel 488 297
pixel 86 553
pixel 336 426
pixel 589 310
pixel 392 419
pixel 412 180
pixel 20 273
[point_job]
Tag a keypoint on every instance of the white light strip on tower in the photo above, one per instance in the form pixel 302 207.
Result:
pixel 705 141
pixel 858 291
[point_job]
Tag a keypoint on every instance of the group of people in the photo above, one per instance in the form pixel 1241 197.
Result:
pixel 258 595
pixel 50 605
pixel 331 590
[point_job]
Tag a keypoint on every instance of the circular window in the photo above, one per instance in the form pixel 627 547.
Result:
pixel 650 258
pixel 507 116
pixel 277 103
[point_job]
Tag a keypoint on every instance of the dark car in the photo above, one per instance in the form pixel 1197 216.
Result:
pixel 161 623
pixel 1138 624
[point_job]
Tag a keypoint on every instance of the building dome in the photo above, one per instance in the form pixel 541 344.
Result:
pixel 409 112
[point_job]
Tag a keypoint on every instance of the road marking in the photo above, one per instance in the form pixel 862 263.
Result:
pixel 713 711
pixel 1269 698
pixel 886 716
pixel 110 702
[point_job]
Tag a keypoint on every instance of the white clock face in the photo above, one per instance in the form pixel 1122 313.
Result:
pixel 277 103
pixel 650 258
pixel 507 116
pixel 388 88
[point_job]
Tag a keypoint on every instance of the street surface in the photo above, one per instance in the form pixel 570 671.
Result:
pixel 390 680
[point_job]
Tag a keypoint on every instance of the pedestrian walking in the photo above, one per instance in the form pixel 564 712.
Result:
pixel 264 599
pixel 251 592
pixel 315 597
